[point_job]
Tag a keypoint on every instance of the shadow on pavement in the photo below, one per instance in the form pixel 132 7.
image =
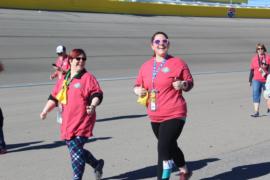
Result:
pixel 244 172
pixel 28 146
pixel 19 145
pixel 195 165
pixel 150 172
pixel 144 173
pixel 121 117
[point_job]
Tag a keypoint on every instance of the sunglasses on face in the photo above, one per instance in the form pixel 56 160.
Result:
pixel 164 41
pixel 260 48
pixel 80 58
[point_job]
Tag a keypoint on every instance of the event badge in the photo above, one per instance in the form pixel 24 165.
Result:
pixel 59 114
pixel 153 96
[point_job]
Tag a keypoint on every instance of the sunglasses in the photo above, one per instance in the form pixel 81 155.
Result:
pixel 260 48
pixel 164 41
pixel 80 58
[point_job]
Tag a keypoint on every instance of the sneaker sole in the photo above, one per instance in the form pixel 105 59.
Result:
pixel 98 170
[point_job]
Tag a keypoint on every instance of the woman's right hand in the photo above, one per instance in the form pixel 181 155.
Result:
pixel 43 115
pixel 140 91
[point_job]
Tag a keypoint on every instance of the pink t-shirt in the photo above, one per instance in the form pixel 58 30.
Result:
pixel 254 65
pixel 170 102
pixel 62 62
pixel 76 122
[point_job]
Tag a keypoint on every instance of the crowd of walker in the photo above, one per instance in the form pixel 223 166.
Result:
pixel 159 86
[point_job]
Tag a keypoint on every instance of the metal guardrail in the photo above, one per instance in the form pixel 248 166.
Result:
pixel 226 3
pixel 141 8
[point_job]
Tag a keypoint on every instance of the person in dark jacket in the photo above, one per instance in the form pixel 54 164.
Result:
pixel 3 149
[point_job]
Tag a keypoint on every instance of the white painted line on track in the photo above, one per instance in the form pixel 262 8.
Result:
pixel 21 85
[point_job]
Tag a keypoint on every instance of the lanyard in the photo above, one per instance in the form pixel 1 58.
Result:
pixel 260 61
pixel 156 70
pixel 68 76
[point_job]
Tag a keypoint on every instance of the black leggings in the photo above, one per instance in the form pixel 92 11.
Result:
pixel 167 134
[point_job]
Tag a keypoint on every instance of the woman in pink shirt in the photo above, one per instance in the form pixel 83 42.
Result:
pixel 259 69
pixel 163 78
pixel 79 94
pixel 61 65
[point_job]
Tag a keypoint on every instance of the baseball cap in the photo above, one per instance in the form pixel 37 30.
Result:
pixel 60 49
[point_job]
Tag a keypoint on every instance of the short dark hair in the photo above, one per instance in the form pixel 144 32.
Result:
pixel 159 32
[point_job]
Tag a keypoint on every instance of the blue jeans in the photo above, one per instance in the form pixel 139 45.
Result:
pixel 257 88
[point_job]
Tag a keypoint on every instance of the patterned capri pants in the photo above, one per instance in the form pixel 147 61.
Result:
pixel 79 156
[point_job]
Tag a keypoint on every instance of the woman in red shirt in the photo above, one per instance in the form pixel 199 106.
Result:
pixel 162 79
pixel 79 94
pixel 259 69
pixel 61 64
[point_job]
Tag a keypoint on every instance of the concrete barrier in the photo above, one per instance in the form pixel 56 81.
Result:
pixel 120 7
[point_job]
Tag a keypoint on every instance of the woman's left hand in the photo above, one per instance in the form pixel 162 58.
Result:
pixel 90 109
pixel 177 85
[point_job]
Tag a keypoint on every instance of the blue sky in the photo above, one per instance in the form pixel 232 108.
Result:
pixel 259 2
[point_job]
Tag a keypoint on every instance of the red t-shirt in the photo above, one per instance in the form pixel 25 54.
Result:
pixel 170 102
pixel 254 65
pixel 76 122
pixel 62 62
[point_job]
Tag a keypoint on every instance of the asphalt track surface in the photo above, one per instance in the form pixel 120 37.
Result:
pixel 220 139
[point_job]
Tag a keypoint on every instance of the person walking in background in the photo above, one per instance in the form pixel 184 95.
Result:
pixel 161 81
pixel 1 67
pixel 259 69
pixel 61 65
pixel 79 93
pixel 3 149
